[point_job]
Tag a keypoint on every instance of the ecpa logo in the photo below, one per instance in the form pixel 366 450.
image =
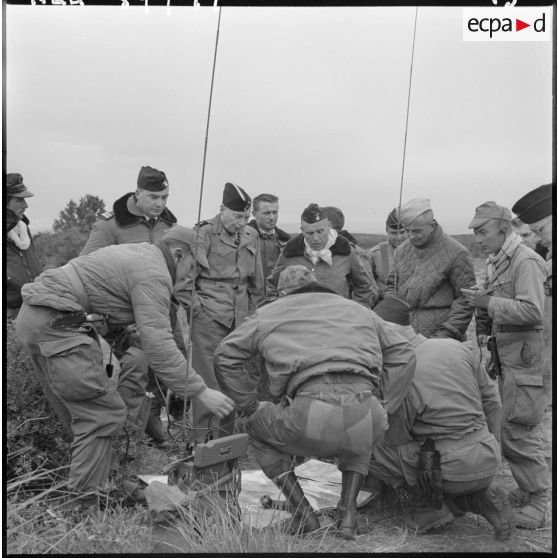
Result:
pixel 507 24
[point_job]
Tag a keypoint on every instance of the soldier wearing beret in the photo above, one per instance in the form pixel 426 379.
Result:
pixel 381 255
pixel 429 270
pixel 225 288
pixel 330 256
pixel 510 307
pixel 140 216
pixel 22 263
pixel 535 209
pixel 330 391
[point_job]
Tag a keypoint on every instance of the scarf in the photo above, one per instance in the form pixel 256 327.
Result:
pixel 267 235
pixel 500 261
pixel 325 253
pixel 20 236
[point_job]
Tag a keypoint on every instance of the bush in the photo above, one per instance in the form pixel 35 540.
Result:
pixel 56 249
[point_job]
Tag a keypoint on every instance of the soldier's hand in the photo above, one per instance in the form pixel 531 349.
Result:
pixel 475 299
pixel 218 403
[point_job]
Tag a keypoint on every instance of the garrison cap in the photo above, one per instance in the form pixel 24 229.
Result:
pixel 152 179
pixel 15 186
pixel 313 213
pixel 181 234
pixel 487 211
pixel 394 310
pixel 535 205
pixel 235 198
pixel 392 222
pixel 294 277
pixel 412 209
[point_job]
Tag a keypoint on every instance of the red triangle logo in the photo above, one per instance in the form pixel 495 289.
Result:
pixel 519 25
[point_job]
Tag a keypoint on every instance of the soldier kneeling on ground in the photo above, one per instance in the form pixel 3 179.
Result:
pixel 441 450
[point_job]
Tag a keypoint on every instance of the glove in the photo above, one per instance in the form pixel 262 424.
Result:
pixel 429 473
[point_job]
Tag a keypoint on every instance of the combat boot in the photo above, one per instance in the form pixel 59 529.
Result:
pixel 493 505
pixel 305 519
pixel 417 514
pixel 532 515
pixel 346 521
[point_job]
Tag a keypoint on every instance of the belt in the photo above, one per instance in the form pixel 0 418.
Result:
pixel 464 440
pixel 336 377
pixel 509 328
pixel 79 289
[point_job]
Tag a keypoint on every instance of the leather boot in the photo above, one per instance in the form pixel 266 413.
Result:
pixel 532 514
pixel 493 505
pixel 305 519
pixel 346 508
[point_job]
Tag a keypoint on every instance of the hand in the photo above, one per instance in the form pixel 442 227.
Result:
pixel 218 403
pixel 475 299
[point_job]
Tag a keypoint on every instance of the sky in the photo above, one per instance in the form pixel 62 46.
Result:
pixel 309 104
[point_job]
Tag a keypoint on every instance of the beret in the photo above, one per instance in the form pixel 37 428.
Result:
pixel 487 211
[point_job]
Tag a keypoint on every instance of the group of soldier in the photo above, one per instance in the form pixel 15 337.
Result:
pixel 325 349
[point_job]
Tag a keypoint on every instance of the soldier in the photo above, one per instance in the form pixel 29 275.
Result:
pixel 529 237
pixel 428 272
pixel 140 216
pixel 381 255
pixel 510 306
pixel 535 209
pixel 330 390
pixel 225 288
pixel 330 256
pixel 337 222
pixel 452 408
pixel 116 286
pixel 265 209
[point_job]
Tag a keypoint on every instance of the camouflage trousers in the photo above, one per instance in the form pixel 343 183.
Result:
pixel 330 416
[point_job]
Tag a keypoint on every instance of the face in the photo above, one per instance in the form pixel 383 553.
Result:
pixel 396 236
pixel 17 205
pixel 527 235
pixel 234 221
pixel 543 230
pixel 152 204
pixel 266 215
pixel 316 234
pixel 419 232
pixel 490 236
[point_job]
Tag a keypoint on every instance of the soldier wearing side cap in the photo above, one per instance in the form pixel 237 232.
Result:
pixel 140 216
pixel 66 309
pixel 381 255
pixel 510 306
pixel 22 263
pixel 452 408
pixel 334 394
pixel 535 209
pixel 429 270
pixel 330 256
pixel 225 288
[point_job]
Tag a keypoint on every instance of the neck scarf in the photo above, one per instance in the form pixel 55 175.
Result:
pixel 19 236
pixel 267 235
pixel 325 253
pixel 500 261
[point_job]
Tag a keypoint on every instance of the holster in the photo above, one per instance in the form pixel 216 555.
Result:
pixel 429 473
pixel 493 366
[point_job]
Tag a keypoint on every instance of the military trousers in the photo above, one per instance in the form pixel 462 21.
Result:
pixel 468 462
pixel 71 363
pixel 329 416
pixel 523 390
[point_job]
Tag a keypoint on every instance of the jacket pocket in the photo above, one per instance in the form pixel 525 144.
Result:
pixel 75 367
pixel 529 402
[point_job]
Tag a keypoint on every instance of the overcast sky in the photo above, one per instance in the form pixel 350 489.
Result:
pixel 308 104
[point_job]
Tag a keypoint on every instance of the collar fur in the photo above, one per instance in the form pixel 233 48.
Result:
pixel 125 219
pixel 295 247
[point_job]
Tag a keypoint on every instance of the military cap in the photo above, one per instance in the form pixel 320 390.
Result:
pixel 235 198
pixel 152 179
pixel 314 213
pixel 394 310
pixel 535 205
pixel 412 209
pixel 15 186
pixel 181 234
pixel 487 211
pixel 294 277
pixel 392 222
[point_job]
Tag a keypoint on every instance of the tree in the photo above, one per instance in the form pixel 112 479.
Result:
pixel 80 215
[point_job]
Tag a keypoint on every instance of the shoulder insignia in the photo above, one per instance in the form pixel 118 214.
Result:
pixel 107 214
